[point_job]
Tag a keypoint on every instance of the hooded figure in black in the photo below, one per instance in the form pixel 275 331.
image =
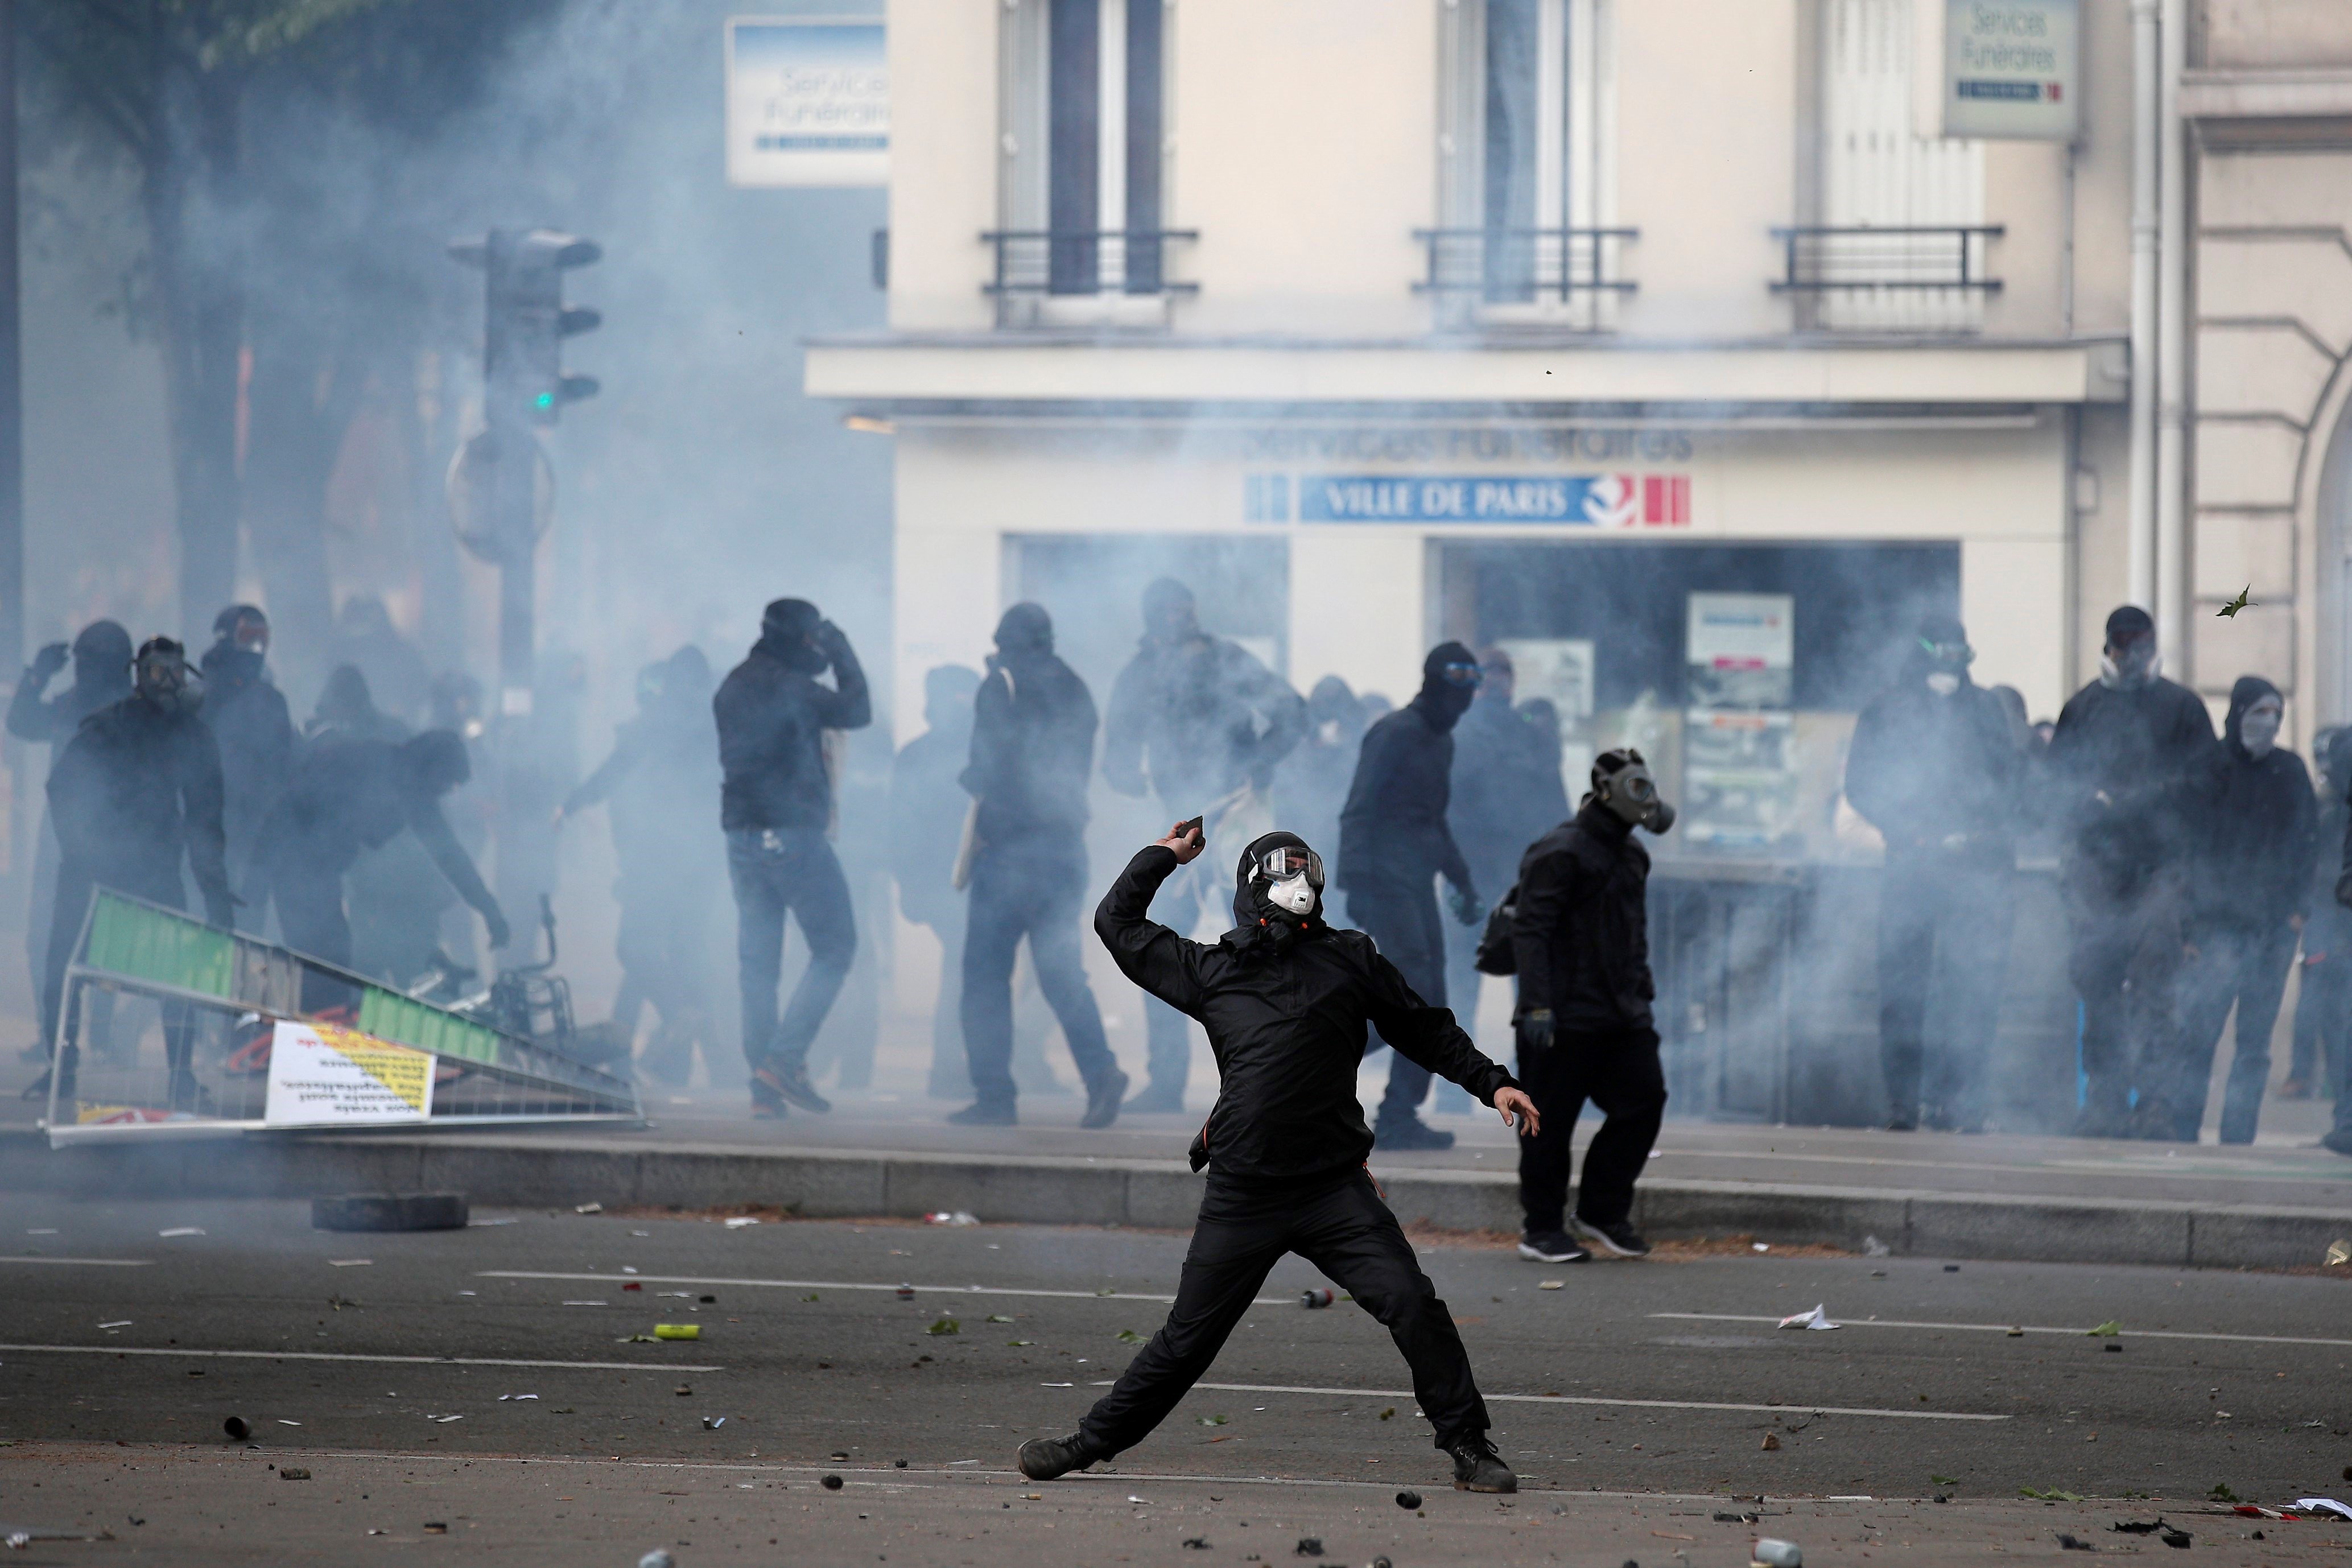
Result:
pixel 1285 999
pixel 247 717
pixel 2127 768
pixel 348 796
pixel 1033 752
pixel 776 808
pixel 1394 841
pixel 928 808
pixel 100 655
pixel 1936 765
pixel 1311 786
pixel 1197 720
pixel 135 794
pixel 2248 881
pixel 658 781
pixel 2323 1008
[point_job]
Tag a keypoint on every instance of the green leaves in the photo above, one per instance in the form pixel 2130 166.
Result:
pixel 1129 1337
pixel 945 1326
pixel 2229 612
pixel 2052 1495
pixel 2106 1331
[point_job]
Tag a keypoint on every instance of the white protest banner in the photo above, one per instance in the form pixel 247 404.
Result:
pixel 321 1075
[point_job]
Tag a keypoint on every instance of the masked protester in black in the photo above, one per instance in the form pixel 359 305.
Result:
pixel 100 655
pixel 663 766
pixel 1285 998
pixel 1505 794
pixel 1311 784
pixel 776 805
pixel 247 718
pixel 134 792
pixel 2128 766
pixel 2248 883
pixel 1936 765
pixel 2322 1008
pixel 395 892
pixel 1032 750
pixel 1580 940
pixel 1196 720
pixel 1393 842
pixel 348 796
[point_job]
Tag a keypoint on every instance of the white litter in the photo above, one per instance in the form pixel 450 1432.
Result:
pixel 182 1230
pixel 1762 1245
pixel 2323 1505
pixel 1818 1317
pixel 959 1218
pixel 444 1419
pixel 118 1323
pixel 1874 1248
pixel 583 1303
pixel 641 1232
pixel 626 1269
pixel 351 1263
pixel 1058 1385
pixel 587 1208
pixel 738 1221
pixel 283 1422
pixel 1771 1554
pixel 504 1397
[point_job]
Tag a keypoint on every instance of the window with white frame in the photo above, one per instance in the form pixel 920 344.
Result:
pixel 1083 156
pixel 1525 194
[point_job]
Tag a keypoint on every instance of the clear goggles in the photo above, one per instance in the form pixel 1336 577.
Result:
pixel 1464 675
pixel 1291 861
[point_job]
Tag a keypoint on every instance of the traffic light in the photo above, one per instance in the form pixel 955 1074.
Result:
pixel 525 321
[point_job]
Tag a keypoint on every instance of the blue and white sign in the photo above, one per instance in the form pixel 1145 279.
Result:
pixel 2012 69
pixel 808 101
pixel 1580 500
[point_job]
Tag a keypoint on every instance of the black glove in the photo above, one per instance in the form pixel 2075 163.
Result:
pixel 497 922
pixel 1465 905
pixel 830 640
pixel 50 660
pixel 1534 1027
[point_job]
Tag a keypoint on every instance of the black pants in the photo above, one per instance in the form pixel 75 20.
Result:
pixel 2234 967
pixel 1617 1070
pixel 1403 924
pixel 1345 1230
pixel 791 870
pixel 2323 1023
pixel 1942 928
pixel 664 945
pixel 1018 889
pixel 78 882
pixel 2126 966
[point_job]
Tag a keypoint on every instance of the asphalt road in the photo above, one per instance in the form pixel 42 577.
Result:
pixel 1663 1377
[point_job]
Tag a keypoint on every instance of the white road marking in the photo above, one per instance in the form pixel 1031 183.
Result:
pixel 853 1285
pixel 400 1360
pixel 1790 1408
pixel 2029 1328
pixel 88 1262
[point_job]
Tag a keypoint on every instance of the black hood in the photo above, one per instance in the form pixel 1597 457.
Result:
pixel 1260 924
pixel 1440 701
pixel 2249 690
pixel 1026 629
pixel 226 666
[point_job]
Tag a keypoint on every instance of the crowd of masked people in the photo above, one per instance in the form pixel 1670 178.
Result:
pixel 2193 868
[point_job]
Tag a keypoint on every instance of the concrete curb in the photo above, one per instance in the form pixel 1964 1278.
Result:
pixel 851 1183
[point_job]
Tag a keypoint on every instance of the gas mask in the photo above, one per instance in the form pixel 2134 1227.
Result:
pixel 1943 683
pixel 1294 878
pixel 2258 727
pixel 1631 792
pixel 2133 664
pixel 162 677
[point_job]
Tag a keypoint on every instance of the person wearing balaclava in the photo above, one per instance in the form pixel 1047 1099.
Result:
pixel 2249 878
pixel 1936 765
pixel 663 766
pixel 1285 997
pixel 1311 784
pixel 928 808
pixel 101 654
pixel 135 795
pixel 247 717
pixel 1198 722
pixel 1580 945
pixel 2323 1005
pixel 1033 750
pixel 348 795
pixel 776 806
pixel 2126 772
pixel 1394 842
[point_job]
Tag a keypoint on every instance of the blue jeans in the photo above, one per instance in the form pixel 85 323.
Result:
pixel 781 871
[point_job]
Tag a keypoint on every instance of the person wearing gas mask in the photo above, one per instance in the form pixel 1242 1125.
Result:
pixel 663 766
pixel 776 808
pixel 248 720
pixel 2247 886
pixel 135 794
pixel 1198 722
pixel 1580 940
pixel 349 795
pixel 1032 750
pixel 2127 767
pixel 101 654
pixel 1394 842
pixel 1936 765
pixel 1285 997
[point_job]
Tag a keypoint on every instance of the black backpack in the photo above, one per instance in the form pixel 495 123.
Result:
pixel 1495 956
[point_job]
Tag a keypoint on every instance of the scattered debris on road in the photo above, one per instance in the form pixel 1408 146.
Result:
pixel 1408 1499
pixel 2106 1330
pixel 235 1428
pixel 1316 1297
pixel 1818 1317
pixel 737 1222
pixel 944 1327
pixel 958 1218
pixel 1310 1546
pixel 677 1330
pixel 1874 1248
pixel 830 1483
pixel 587 1208
pixel 1769 1553
pixel 293 1473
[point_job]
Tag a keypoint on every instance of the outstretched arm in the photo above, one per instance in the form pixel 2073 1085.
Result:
pixel 1430 1037
pixel 432 830
pixel 1154 957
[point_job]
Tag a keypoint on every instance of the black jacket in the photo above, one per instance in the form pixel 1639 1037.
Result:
pixel 1937 776
pixel 135 789
pixel 248 721
pixel 1582 930
pixel 1203 717
pixel 1507 789
pixel 1393 831
pixel 1032 749
pixel 2150 748
pixel 771 724
pixel 346 795
pixel 1287 1029
pixel 2254 841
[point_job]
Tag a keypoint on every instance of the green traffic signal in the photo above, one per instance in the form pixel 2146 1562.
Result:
pixel 545 400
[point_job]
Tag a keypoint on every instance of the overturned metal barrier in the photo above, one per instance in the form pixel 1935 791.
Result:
pixel 255 1038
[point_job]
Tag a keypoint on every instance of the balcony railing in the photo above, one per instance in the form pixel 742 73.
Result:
pixel 1522 266
pixel 1830 260
pixel 1049 264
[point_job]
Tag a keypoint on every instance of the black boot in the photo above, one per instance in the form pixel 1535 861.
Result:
pixel 1103 1098
pixel 1049 1459
pixel 1477 1468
